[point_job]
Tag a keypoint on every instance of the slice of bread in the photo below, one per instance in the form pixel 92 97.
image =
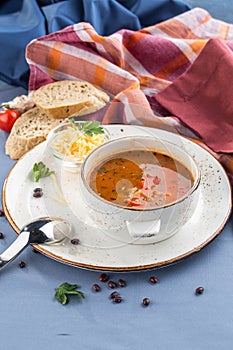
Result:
pixel 67 98
pixel 30 129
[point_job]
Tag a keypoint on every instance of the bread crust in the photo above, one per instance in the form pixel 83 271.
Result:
pixel 67 98
pixel 30 129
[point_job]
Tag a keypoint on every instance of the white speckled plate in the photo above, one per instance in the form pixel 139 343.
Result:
pixel 98 249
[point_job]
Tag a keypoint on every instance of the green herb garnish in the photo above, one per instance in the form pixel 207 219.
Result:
pixel 89 128
pixel 40 170
pixel 66 289
pixel 72 122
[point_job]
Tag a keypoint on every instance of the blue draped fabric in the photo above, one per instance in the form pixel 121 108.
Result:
pixel 23 20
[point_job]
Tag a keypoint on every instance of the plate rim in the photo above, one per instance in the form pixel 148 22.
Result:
pixel 141 267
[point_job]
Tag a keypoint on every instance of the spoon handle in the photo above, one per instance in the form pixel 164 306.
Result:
pixel 14 249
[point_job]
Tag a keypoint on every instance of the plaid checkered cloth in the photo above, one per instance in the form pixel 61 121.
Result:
pixel 133 67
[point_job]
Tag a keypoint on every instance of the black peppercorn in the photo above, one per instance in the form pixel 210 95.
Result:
pixel 113 295
pixel 146 301
pixel 117 299
pixel 153 280
pixel 22 264
pixel 75 241
pixel 112 284
pixel 199 290
pixel 103 277
pixel 121 283
pixel 37 192
pixel 96 287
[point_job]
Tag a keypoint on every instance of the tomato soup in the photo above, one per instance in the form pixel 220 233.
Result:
pixel 141 179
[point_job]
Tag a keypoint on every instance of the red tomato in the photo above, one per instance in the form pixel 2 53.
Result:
pixel 8 118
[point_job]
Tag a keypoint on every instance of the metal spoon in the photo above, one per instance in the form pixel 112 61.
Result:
pixel 44 230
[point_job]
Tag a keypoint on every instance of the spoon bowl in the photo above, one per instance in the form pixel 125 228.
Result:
pixel 45 230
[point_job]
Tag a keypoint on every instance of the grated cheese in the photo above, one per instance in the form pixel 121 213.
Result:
pixel 75 145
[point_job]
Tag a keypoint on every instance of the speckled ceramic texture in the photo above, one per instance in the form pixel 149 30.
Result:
pixel 143 226
pixel 101 249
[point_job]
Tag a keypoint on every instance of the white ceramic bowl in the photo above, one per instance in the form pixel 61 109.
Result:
pixel 70 163
pixel 147 225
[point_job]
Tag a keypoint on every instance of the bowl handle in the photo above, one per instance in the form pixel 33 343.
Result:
pixel 144 229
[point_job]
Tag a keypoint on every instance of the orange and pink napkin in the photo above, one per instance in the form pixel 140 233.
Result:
pixel 175 75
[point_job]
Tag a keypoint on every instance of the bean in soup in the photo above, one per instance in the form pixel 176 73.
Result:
pixel 141 179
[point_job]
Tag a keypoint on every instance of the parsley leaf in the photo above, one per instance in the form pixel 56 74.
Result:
pixel 89 128
pixel 66 289
pixel 92 127
pixel 40 170
pixel 72 122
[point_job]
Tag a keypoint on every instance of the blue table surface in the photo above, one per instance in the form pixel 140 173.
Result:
pixel 177 318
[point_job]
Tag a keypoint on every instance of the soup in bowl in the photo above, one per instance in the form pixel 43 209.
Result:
pixel 147 186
